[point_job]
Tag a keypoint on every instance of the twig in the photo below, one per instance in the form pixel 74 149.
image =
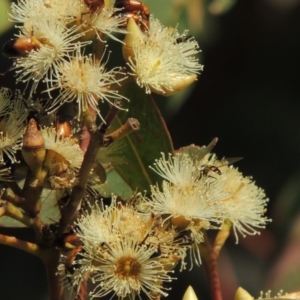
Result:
pixel 210 254
pixel 28 247
pixel 13 198
pixel 55 283
pixel 10 210
pixel 15 188
pixel 69 211
pixel 49 256
pixel 128 127
pixel 209 258
pixel 32 195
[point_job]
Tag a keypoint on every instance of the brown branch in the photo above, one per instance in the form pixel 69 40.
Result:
pixel 85 138
pixel 50 257
pixel 13 198
pixel 15 188
pixel 89 125
pixel 10 210
pixel 69 211
pixel 32 191
pixel 131 125
pixel 55 283
pixel 28 247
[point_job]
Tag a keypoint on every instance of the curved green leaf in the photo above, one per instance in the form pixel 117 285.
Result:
pixel 141 148
pixel 114 184
pixel 198 152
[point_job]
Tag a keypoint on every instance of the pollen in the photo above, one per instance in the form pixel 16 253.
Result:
pixel 128 267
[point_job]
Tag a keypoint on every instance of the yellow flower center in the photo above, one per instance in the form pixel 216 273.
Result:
pixel 128 267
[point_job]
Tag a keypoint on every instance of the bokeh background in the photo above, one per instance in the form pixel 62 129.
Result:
pixel 249 97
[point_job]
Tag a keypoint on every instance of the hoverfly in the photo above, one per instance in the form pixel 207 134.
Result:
pixel 183 38
pixel 205 169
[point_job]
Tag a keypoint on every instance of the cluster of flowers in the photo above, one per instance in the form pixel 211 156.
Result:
pixel 53 35
pixel 125 249
pixel 129 248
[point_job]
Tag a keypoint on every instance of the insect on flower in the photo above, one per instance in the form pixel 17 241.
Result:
pixel 72 260
pixel 135 10
pixel 20 47
pixel 183 38
pixel 205 169
pixel 184 238
pixel 94 5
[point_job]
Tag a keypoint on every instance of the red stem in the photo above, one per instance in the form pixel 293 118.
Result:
pixel 83 291
pixel 213 276
pixel 209 256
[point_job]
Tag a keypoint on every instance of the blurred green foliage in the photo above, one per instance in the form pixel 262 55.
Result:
pixel 4 8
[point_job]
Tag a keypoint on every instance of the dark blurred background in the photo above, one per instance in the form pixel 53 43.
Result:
pixel 249 97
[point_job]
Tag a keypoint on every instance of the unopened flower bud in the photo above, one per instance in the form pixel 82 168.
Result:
pixel 189 294
pixel 133 37
pixel 242 294
pixel 178 82
pixel 33 148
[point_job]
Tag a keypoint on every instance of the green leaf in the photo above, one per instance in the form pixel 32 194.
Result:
pixel 141 148
pixel 197 152
pixel 4 23
pixel 114 185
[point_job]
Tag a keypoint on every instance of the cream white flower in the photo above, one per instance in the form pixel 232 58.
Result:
pixel 115 221
pixel 180 170
pixel 27 11
pixel 128 269
pixel 68 147
pixel 162 60
pixel 176 202
pixel 245 203
pixel 120 252
pixel 96 226
pixel 12 126
pixel 205 193
pixel 86 81
pixel 182 46
pixel 191 210
pixel 239 200
pixel 30 12
pixel 105 22
pixel 53 42
pixel 185 195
